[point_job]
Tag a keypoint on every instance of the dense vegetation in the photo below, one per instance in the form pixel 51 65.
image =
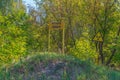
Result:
pixel 24 31
pixel 51 66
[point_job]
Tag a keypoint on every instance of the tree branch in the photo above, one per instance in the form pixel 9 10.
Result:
pixel 114 50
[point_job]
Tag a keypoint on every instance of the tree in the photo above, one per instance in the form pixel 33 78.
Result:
pixel 104 17
pixel 13 38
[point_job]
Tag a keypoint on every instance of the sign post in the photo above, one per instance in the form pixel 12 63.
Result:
pixel 63 38
pixel 48 40
pixel 56 26
pixel 99 39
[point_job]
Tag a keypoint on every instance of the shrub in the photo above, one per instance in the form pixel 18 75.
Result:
pixel 12 38
pixel 83 50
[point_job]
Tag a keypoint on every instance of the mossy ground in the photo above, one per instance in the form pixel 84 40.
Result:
pixel 51 66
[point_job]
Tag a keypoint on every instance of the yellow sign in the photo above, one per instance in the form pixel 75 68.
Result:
pixel 98 37
pixel 55 25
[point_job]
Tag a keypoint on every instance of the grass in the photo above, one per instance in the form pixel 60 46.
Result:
pixel 51 66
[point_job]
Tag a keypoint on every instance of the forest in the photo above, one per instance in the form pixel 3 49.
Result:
pixel 75 34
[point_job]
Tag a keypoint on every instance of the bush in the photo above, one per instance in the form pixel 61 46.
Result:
pixel 12 38
pixel 83 50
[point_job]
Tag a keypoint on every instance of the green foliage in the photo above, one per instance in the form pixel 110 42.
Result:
pixel 83 19
pixel 116 58
pixel 37 38
pixel 83 50
pixel 12 37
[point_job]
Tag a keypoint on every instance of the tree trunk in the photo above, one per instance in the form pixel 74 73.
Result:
pixel 101 52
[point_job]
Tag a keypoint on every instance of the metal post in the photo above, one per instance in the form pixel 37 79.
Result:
pixel 48 38
pixel 63 38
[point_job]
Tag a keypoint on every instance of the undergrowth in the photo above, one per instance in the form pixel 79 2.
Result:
pixel 34 66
